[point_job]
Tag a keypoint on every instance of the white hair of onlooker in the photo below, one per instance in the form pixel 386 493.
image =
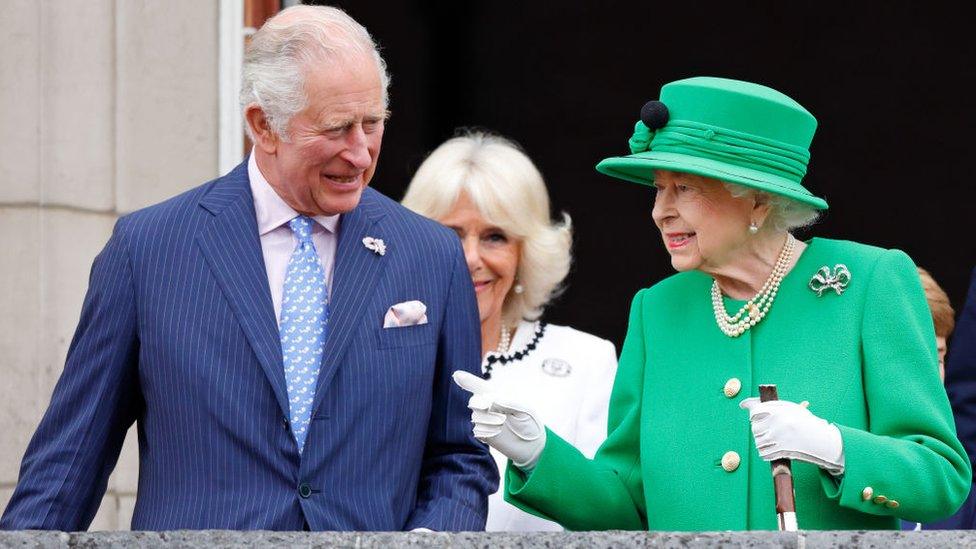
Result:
pixel 509 191
pixel 281 51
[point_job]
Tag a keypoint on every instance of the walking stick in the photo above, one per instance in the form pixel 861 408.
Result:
pixel 782 477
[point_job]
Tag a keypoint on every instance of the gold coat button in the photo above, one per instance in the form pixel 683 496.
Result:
pixel 732 387
pixel 730 461
pixel 867 493
pixel 893 504
pixel 880 499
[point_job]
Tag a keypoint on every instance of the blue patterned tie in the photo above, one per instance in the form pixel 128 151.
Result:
pixel 304 312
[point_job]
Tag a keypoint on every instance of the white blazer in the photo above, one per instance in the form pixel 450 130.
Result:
pixel 567 378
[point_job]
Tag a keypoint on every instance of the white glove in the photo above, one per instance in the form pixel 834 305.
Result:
pixel 506 426
pixel 785 429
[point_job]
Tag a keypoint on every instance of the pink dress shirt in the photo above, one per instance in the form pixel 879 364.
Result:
pixel 277 240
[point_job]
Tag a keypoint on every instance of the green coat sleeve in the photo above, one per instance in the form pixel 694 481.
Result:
pixel 909 462
pixel 605 493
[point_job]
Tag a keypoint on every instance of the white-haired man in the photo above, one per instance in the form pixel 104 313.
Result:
pixel 283 335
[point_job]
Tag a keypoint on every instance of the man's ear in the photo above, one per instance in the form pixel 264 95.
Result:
pixel 264 137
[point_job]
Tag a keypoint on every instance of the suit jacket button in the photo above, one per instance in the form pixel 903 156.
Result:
pixel 880 499
pixel 732 387
pixel 867 493
pixel 892 503
pixel 730 461
pixel 304 490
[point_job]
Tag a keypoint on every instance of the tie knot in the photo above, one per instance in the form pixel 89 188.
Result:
pixel 302 227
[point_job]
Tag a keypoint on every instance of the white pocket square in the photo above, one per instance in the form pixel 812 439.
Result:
pixel 408 313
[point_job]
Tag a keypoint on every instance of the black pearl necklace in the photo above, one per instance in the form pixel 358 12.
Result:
pixel 494 357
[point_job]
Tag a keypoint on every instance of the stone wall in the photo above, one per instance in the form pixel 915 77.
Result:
pixel 107 106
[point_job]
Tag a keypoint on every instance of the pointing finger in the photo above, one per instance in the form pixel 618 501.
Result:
pixel 470 382
pixel 749 403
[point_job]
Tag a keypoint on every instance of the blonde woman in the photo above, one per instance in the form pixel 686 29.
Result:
pixel 487 190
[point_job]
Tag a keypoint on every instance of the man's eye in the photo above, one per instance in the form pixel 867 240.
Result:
pixel 370 126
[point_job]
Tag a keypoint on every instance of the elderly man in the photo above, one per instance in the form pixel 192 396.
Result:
pixel 283 335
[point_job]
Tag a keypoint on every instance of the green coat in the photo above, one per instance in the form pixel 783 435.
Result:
pixel 865 360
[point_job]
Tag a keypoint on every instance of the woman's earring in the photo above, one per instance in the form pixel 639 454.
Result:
pixel 518 289
pixel 753 228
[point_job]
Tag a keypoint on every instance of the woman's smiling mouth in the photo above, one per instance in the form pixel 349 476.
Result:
pixel 481 285
pixel 678 240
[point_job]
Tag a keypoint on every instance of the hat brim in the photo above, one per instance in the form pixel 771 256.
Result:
pixel 639 168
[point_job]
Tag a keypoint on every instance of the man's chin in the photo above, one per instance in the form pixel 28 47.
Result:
pixel 336 203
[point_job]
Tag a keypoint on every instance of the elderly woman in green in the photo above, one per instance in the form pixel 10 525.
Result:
pixel 841 328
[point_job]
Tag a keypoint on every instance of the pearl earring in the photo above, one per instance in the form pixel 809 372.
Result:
pixel 518 289
pixel 753 228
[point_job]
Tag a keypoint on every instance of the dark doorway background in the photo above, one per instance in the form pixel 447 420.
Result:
pixel 891 84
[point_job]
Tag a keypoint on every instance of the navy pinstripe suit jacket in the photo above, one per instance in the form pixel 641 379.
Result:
pixel 178 333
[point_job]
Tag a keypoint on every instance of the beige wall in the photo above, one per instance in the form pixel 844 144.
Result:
pixel 107 106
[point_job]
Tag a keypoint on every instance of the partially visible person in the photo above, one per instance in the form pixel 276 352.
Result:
pixel 488 191
pixel 960 381
pixel 943 318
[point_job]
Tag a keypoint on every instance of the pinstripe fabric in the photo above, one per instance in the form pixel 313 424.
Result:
pixel 178 333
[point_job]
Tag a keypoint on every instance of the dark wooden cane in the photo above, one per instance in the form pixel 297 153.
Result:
pixel 782 477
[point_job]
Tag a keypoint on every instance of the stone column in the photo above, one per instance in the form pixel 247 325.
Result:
pixel 108 106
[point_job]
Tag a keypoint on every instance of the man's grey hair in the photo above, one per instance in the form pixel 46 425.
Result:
pixel 286 46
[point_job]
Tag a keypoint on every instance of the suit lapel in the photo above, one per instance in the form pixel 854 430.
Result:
pixel 232 247
pixel 357 270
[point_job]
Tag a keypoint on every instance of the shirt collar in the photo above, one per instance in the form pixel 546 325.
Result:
pixel 271 211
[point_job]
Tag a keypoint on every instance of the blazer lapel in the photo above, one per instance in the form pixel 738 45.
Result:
pixel 232 247
pixel 357 270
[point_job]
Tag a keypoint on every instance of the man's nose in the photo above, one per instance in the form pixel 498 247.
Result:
pixel 357 149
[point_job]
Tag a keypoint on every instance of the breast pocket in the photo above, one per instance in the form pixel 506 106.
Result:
pixel 405 336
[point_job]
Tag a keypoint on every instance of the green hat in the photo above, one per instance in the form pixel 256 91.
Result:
pixel 724 129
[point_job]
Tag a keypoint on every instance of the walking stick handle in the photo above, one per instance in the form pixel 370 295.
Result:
pixel 782 476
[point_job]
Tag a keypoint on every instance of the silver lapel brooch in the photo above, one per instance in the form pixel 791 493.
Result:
pixel 836 280
pixel 375 245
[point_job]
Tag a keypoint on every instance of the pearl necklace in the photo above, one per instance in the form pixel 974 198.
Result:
pixel 494 358
pixel 504 341
pixel 756 308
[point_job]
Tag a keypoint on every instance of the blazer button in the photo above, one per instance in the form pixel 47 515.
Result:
pixel 730 461
pixel 304 490
pixel 880 499
pixel 732 387
pixel 867 493
pixel 892 503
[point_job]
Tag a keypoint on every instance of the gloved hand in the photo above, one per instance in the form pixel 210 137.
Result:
pixel 785 429
pixel 508 427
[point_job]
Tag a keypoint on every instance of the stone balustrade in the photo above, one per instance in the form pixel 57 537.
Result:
pixel 479 540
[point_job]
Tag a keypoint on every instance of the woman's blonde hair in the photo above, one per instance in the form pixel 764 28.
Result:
pixel 508 190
